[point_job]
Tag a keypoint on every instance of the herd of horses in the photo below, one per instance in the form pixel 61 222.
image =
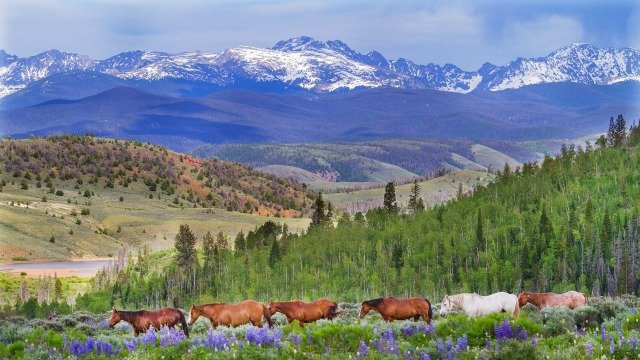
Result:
pixel 253 312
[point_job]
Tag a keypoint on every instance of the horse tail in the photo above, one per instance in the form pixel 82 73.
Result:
pixel 516 311
pixel 430 313
pixel 183 322
pixel 267 315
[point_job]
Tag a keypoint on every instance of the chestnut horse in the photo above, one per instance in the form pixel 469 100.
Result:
pixel 142 320
pixel 570 299
pixel 399 309
pixel 232 315
pixel 305 312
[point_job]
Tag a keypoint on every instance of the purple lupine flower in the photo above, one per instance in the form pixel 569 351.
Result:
pixel 215 340
pixel 363 349
pixel 503 330
pixel 409 330
pixel 171 336
pixel 389 342
pixel 131 345
pixel 633 342
pixel 90 344
pixel 612 347
pixel 589 346
pixel 264 336
pixel 487 344
pixel 522 335
pixel 462 343
pixel 534 341
pixel 149 338
pixel 603 334
pixel 440 346
pixel 296 339
pixel 425 356
pixel 633 310
pixel 449 345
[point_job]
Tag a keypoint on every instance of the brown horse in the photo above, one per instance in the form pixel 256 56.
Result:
pixel 305 312
pixel 570 299
pixel 248 311
pixel 142 320
pixel 399 309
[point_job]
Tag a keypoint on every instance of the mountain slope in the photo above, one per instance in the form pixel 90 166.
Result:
pixel 304 64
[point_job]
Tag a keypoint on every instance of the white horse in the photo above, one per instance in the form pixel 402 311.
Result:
pixel 475 305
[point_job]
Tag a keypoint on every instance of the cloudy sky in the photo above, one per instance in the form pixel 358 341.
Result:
pixel 466 33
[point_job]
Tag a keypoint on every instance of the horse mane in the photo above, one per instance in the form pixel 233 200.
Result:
pixel 285 306
pixel 374 302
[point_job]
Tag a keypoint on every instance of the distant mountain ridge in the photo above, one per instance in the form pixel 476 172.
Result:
pixel 309 65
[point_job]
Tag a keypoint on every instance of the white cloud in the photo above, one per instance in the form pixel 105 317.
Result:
pixel 542 35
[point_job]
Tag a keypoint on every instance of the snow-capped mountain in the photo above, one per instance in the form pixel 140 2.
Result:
pixel 304 63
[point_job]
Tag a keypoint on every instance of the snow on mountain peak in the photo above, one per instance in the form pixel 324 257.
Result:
pixel 325 66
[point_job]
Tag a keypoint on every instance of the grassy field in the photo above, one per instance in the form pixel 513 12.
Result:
pixel 31 229
pixel 433 191
pixel 604 329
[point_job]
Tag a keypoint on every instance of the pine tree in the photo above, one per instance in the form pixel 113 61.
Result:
pixel 185 243
pixel 274 254
pixel 318 217
pixel 240 243
pixel 221 242
pixel 414 196
pixel 57 288
pixel 390 203
pixel 329 216
pixel 420 206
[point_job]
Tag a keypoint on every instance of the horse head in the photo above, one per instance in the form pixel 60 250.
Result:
pixel 447 306
pixel 523 298
pixel 368 305
pixel 194 314
pixel 273 308
pixel 115 318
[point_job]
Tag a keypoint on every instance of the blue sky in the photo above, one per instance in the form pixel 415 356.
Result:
pixel 466 33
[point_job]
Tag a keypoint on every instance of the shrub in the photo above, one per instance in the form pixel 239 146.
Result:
pixel 607 307
pixel 59 193
pixel 557 321
pixel 85 211
pixel 586 317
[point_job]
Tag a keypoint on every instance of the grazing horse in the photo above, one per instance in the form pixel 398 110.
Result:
pixel 475 305
pixel 570 299
pixel 305 312
pixel 232 315
pixel 399 309
pixel 142 320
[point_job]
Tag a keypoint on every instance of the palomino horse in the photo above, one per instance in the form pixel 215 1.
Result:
pixel 232 315
pixel 570 299
pixel 305 312
pixel 476 305
pixel 142 320
pixel 399 309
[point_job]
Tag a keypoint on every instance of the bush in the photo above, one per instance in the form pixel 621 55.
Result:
pixel 607 307
pixel 85 211
pixel 557 321
pixel 586 317
pixel 59 193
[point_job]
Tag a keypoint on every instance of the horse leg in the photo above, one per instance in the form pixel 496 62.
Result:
pixel 415 318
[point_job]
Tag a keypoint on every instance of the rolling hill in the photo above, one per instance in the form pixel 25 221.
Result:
pixel 91 196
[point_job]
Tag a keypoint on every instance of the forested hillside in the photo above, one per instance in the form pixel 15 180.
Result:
pixel 570 223
pixel 89 164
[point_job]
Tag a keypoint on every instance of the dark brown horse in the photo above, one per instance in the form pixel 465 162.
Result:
pixel 399 309
pixel 305 312
pixel 142 320
pixel 248 311
pixel 570 299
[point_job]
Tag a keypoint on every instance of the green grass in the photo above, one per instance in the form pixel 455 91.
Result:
pixel 491 158
pixel 26 230
pixel 434 191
